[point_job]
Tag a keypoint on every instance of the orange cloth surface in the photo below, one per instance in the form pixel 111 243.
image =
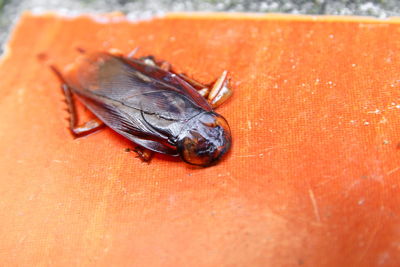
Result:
pixel 312 178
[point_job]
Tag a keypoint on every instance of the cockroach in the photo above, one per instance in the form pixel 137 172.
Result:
pixel 147 102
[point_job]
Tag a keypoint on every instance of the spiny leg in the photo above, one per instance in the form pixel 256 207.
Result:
pixel 220 92
pixel 144 154
pixel 165 65
pixel 202 89
pixel 192 82
pixel 87 128
pixel 81 130
pixel 78 130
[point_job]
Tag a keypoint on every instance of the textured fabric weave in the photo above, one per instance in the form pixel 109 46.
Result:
pixel 312 178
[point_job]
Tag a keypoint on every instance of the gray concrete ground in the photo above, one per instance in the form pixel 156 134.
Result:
pixel 137 9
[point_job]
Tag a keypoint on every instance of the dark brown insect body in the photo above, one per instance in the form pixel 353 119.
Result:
pixel 150 105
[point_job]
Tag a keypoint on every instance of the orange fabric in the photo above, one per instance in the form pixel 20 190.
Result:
pixel 312 178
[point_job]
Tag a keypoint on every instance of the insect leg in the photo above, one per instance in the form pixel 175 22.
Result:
pixel 192 82
pixel 81 130
pixel 87 128
pixel 204 92
pixel 201 88
pixel 143 153
pixel 220 92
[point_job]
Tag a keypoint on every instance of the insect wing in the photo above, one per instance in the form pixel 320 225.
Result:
pixel 174 82
pixel 138 85
pixel 127 100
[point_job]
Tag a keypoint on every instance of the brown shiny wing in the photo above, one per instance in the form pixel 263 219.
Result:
pixel 138 85
pixel 136 101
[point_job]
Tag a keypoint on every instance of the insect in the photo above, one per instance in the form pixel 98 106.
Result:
pixel 147 102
